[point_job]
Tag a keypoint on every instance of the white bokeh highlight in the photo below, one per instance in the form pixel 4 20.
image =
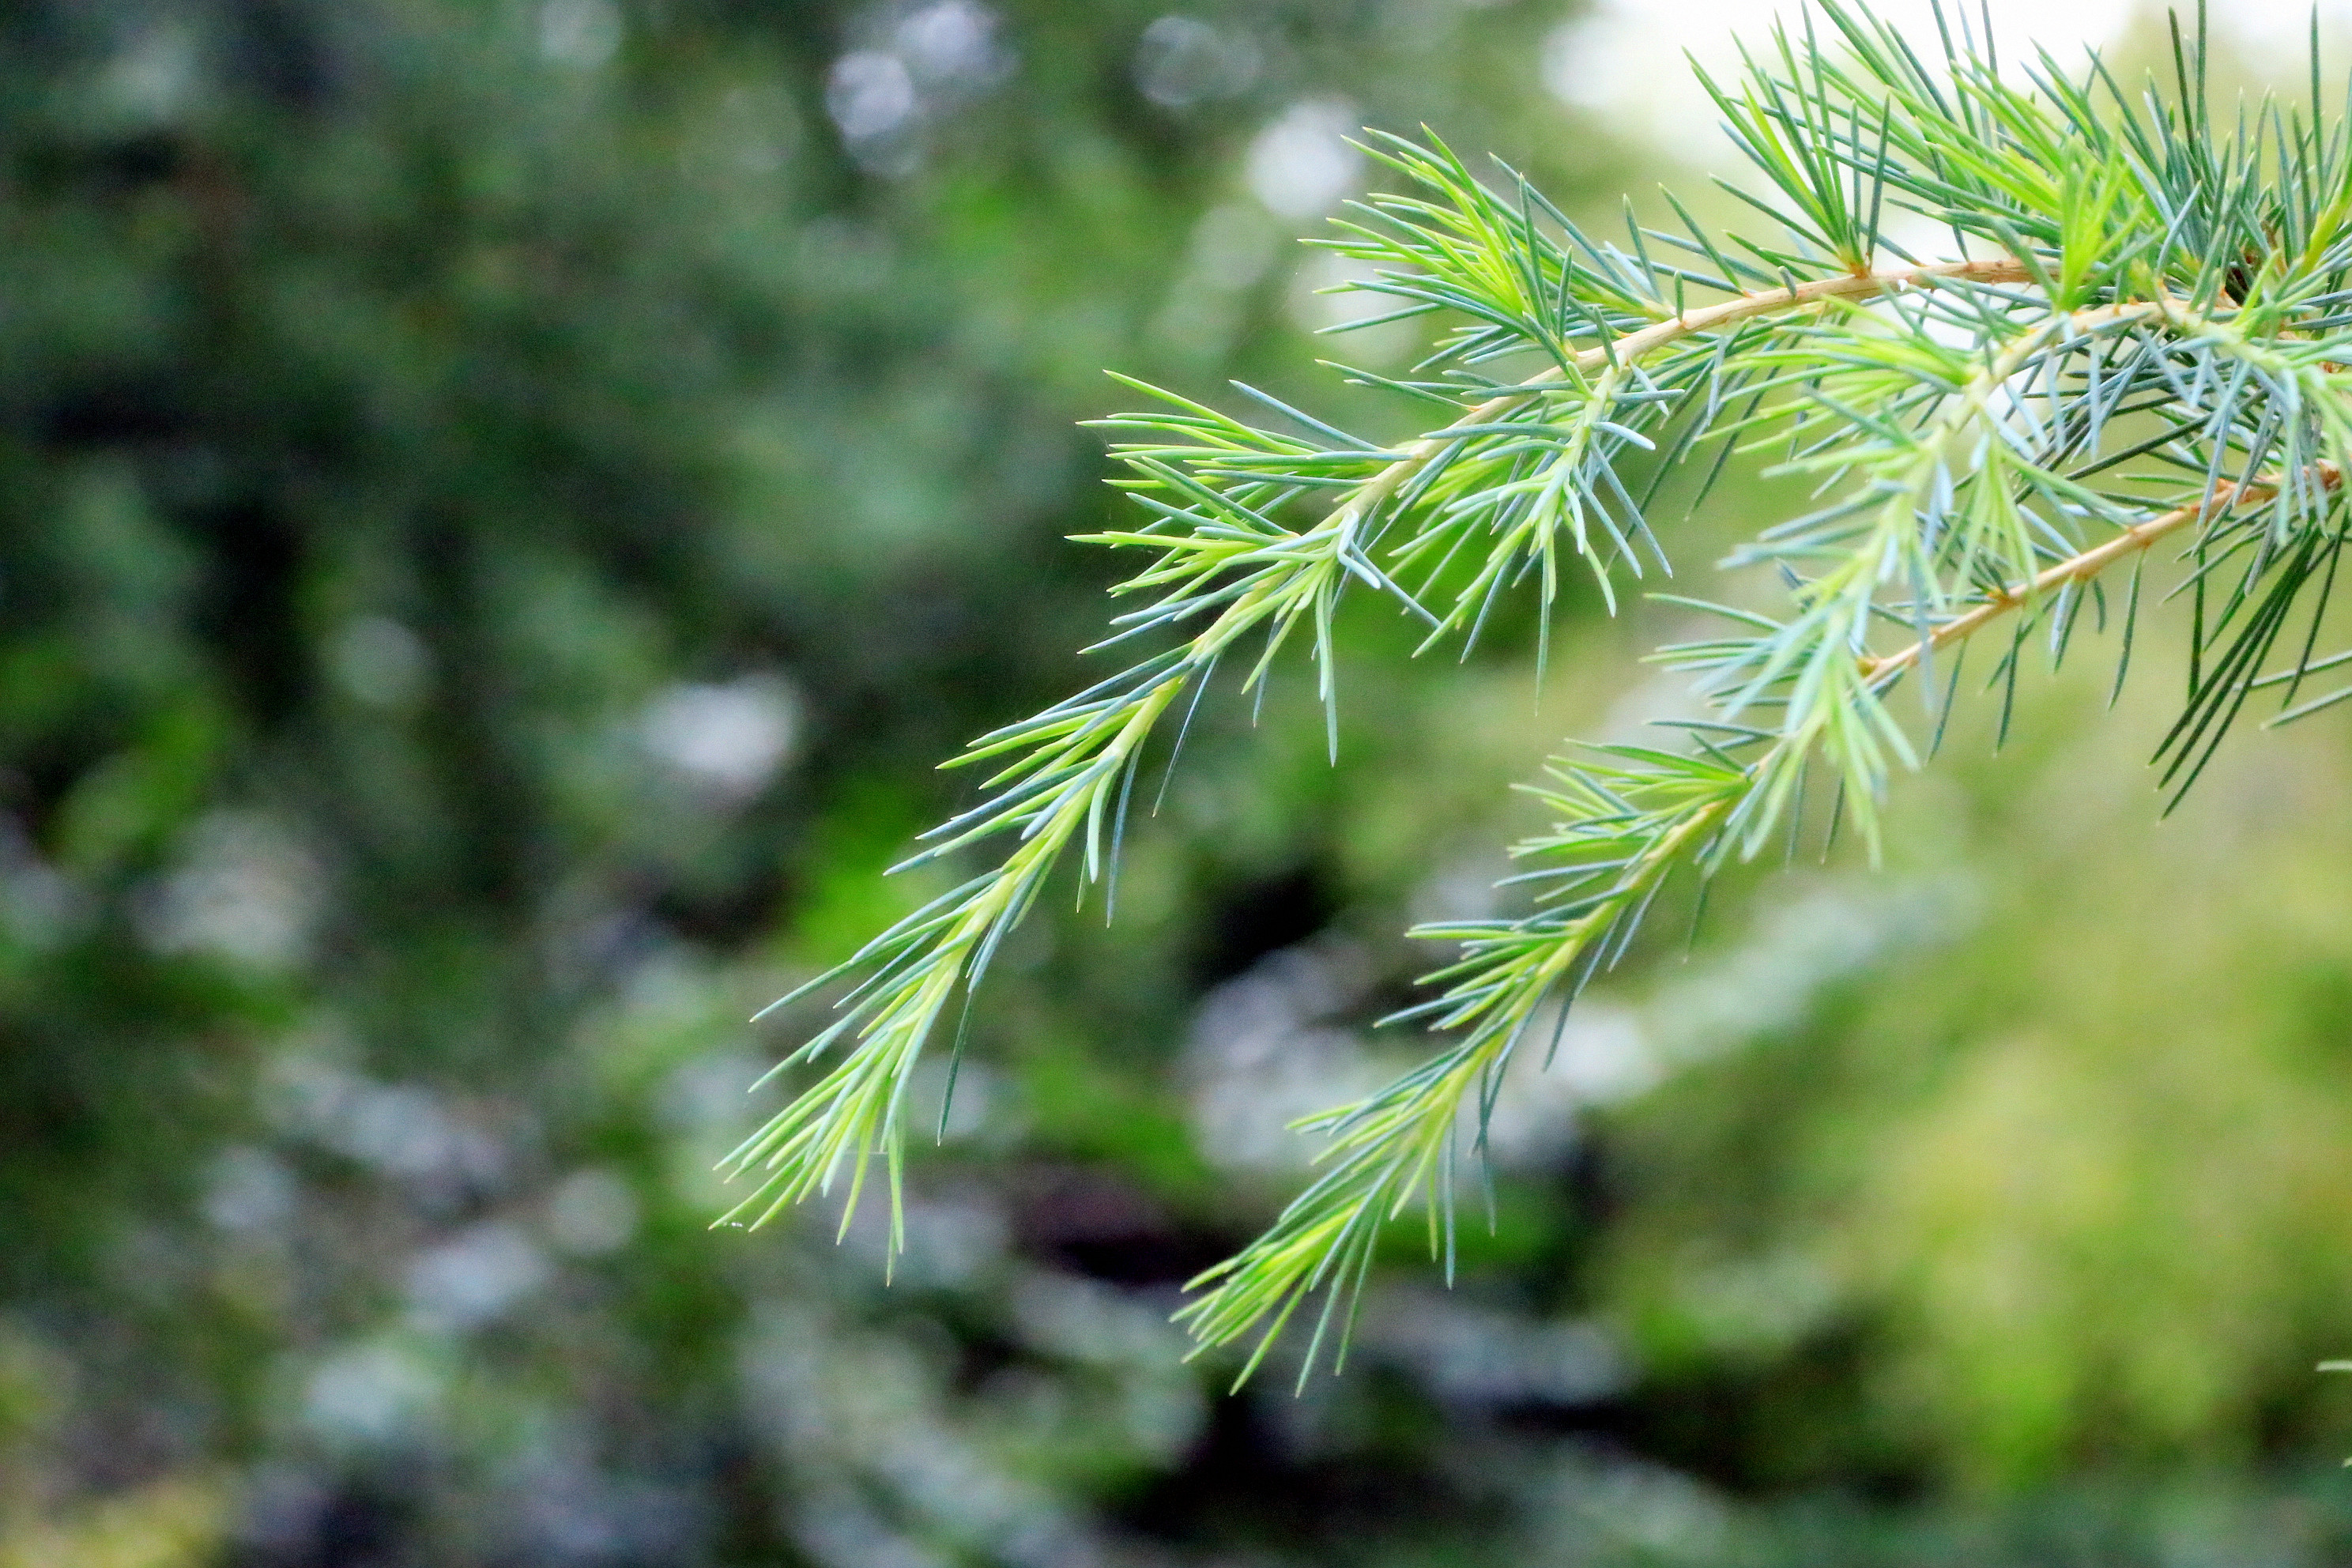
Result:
pixel 1625 59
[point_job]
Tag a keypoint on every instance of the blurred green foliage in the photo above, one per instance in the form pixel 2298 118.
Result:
pixel 504 503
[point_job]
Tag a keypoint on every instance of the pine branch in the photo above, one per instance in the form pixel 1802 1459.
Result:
pixel 1630 819
pixel 2156 350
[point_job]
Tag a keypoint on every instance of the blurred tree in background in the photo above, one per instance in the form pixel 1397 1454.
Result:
pixel 506 502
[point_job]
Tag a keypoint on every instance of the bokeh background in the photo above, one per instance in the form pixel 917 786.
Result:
pixel 502 504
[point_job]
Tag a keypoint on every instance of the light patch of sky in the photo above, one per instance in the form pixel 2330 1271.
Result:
pixel 1625 58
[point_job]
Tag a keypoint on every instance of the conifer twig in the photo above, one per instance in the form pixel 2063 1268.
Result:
pixel 2082 567
pixel 2150 343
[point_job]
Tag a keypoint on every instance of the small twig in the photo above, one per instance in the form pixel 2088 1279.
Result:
pixel 2082 568
pixel 1633 345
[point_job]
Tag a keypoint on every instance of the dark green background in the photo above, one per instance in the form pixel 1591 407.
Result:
pixel 432 434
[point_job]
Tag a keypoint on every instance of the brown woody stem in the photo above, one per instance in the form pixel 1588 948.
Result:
pixel 1634 345
pixel 2082 568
